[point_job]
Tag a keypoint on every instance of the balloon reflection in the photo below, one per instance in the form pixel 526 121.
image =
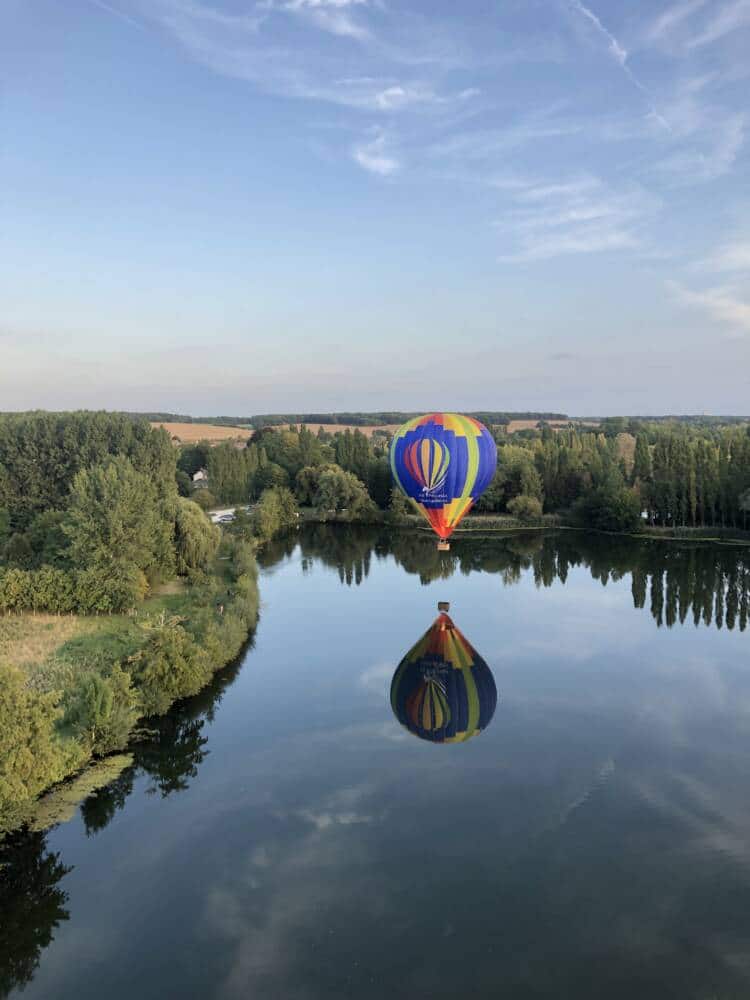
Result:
pixel 443 691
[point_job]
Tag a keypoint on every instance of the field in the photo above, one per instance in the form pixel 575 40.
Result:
pixel 526 425
pixel 33 642
pixel 191 433
pixel 334 428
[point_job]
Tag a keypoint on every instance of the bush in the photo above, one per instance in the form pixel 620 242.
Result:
pixel 205 499
pixel 610 508
pixel 31 758
pixel 170 666
pixel 275 511
pixel 527 509
pixel 102 710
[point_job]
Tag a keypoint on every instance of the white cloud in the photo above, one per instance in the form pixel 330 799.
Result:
pixel 724 305
pixel 711 152
pixel 672 18
pixel 373 156
pixel 730 257
pixel 579 216
pixel 730 18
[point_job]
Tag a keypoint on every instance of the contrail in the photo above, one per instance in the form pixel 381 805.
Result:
pixel 620 54
pixel 117 13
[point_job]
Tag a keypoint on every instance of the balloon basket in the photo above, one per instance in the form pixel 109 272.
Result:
pixel 444 546
pixel 444 606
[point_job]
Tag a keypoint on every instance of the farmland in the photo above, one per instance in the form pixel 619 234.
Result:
pixel 187 433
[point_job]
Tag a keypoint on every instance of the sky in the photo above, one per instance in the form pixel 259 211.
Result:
pixel 248 206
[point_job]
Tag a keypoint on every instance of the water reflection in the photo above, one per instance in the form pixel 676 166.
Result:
pixel 708 584
pixel 32 905
pixel 609 798
pixel 443 691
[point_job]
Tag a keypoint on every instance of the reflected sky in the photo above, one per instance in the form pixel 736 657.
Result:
pixel 285 836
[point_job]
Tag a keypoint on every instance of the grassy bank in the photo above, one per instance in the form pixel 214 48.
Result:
pixel 74 688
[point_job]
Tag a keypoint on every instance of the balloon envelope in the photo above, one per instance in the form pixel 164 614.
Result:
pixel 443 462
pixel 443 691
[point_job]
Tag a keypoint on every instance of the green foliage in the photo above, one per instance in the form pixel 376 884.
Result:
pixel 205 499
pixel 184 483
pixel 610 507
pixel 271 476
pixel 527 509
pixel 30 757
pixel 115 528
pixel 193 457
pixel 170 666
pixel 275 511
pixel 399 507
pixel 40 454
pixel 4 527
pixel 18 552
pixel 196 539
pixel 232 472
pixel 101 710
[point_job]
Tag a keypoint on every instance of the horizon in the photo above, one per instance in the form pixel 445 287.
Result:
pixel 342 205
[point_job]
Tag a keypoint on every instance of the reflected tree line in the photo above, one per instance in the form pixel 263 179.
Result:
pixel 33 899
pixel 707 584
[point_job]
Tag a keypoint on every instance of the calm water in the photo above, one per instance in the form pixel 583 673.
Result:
pixel 285 838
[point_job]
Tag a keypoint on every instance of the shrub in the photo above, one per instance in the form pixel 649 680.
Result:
pixel 170 666
pixel 101 710
pixel 527 509
pixel 30 754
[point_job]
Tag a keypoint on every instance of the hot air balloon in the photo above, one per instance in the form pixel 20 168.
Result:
pixel 443 462
pixel 443 691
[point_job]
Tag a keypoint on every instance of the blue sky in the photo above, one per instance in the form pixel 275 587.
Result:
pixel 287 205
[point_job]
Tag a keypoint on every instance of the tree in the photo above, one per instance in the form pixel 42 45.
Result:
pixel 399 507
pixel 102 710
pixel 205 499
pixel 4 527
pixel 170 666
pixel 196 539
pixel 18 551
pixel 527 509
pixel 271 475
pixel 116 531
pixel 275 511
pixel 184 483
pixel 342 491
pixel 30 756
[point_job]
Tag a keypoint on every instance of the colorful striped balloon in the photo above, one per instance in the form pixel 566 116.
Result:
pixel 443 691
pixel 443 462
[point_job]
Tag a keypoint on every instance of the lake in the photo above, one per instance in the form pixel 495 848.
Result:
pixel 285 836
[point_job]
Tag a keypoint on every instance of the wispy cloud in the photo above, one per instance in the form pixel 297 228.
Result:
pixel 579 216
pixel 695 24
pixel 731 17
pixel 725 305
pixel 334 16
pixel 670 19
pixel 374 157
pixel 708 144
pixel 730 257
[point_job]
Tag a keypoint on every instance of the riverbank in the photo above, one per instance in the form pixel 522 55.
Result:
pixel 78 688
